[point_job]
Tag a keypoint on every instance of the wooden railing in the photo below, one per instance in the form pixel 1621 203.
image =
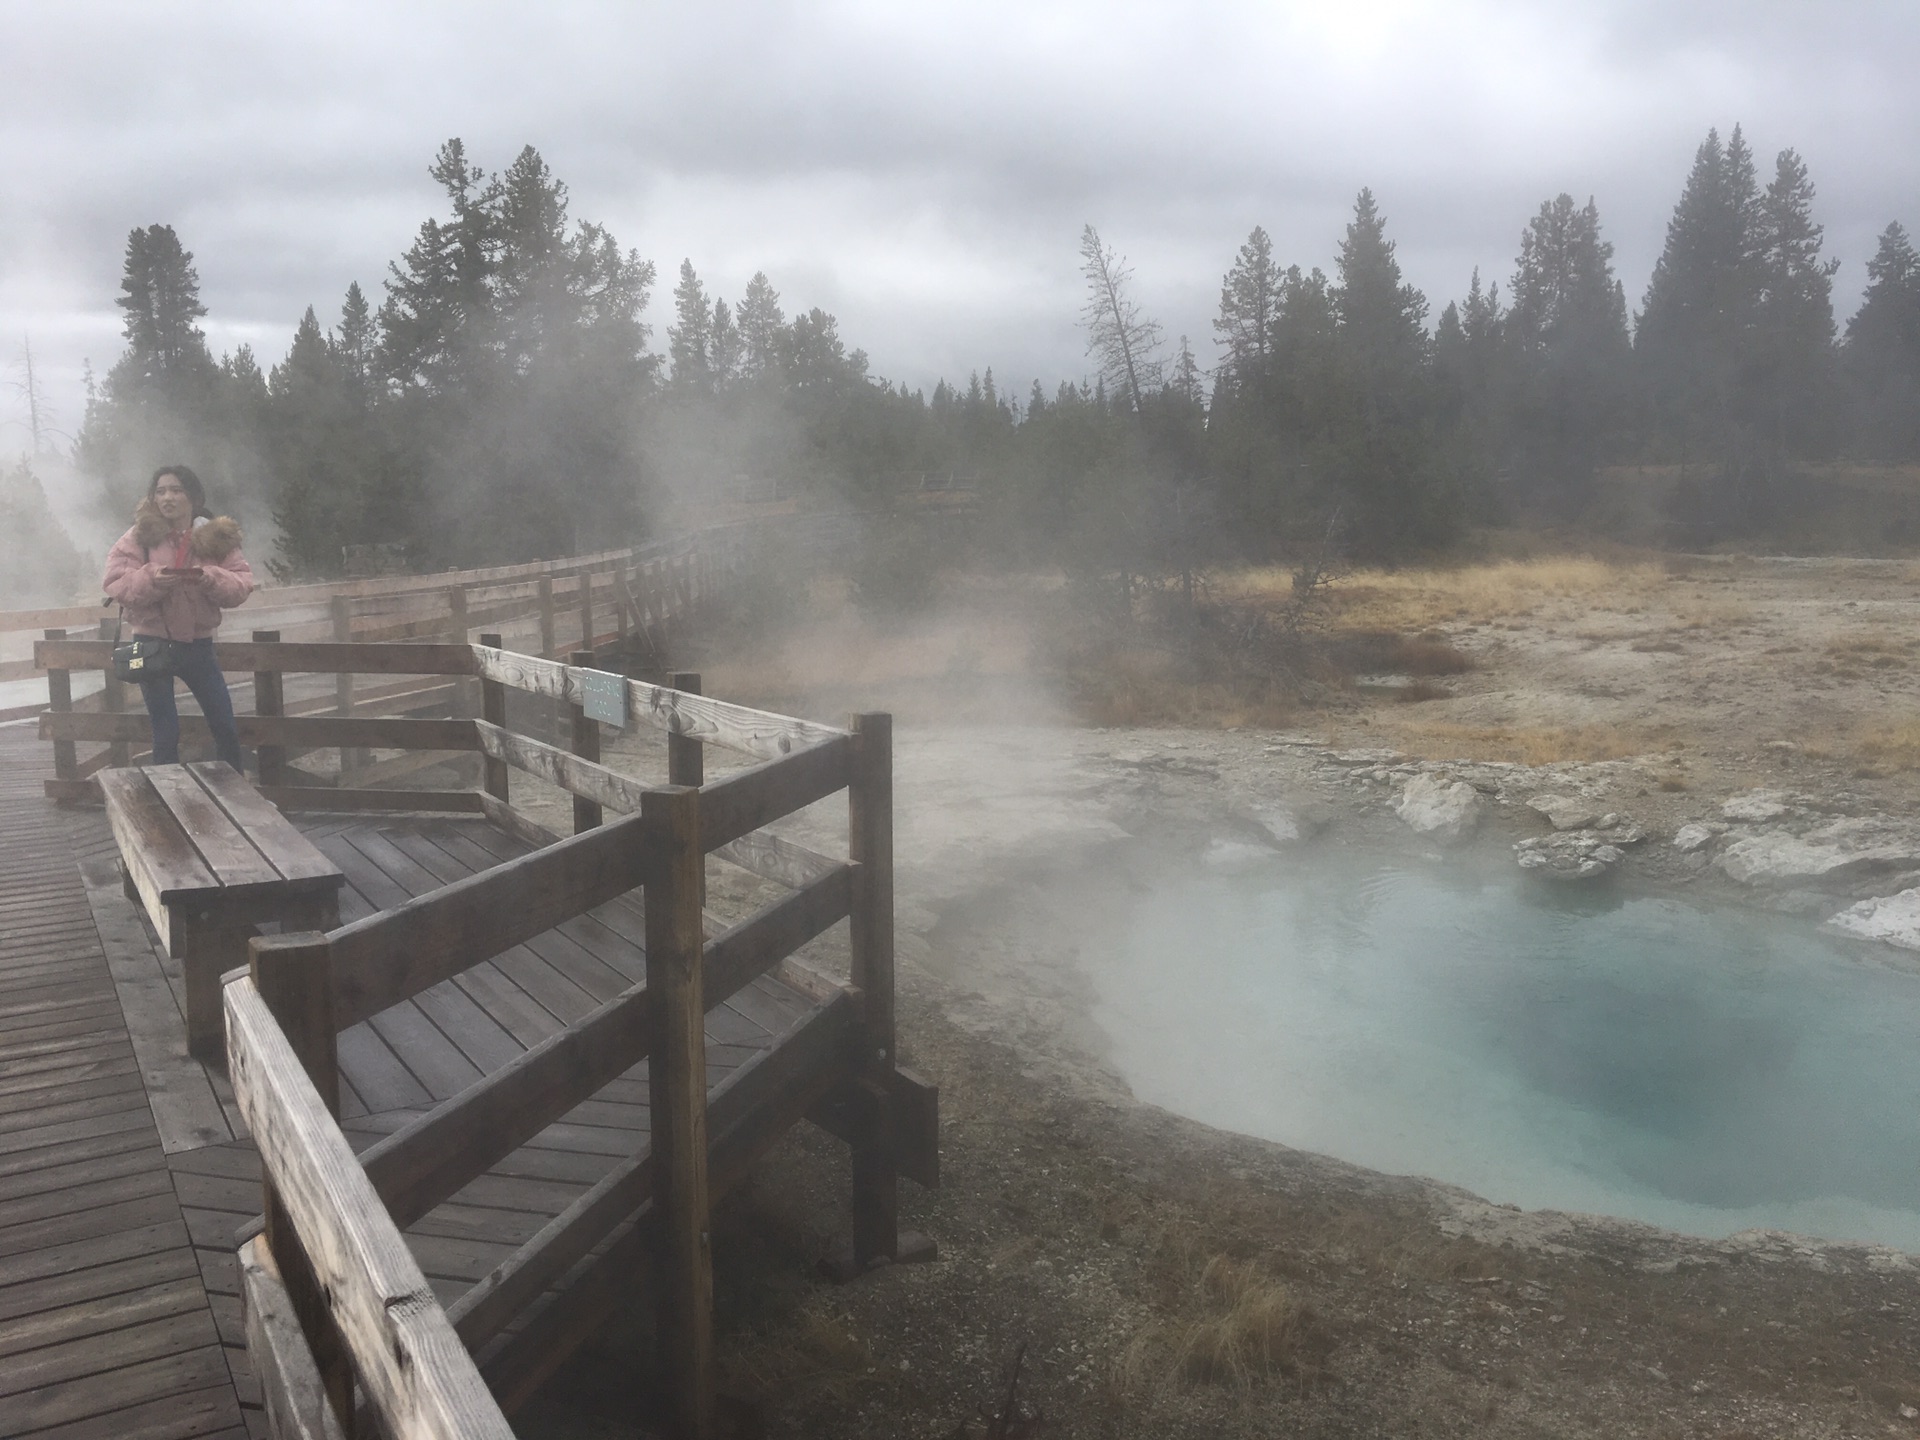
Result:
pixel 338 1309
pixel 547 607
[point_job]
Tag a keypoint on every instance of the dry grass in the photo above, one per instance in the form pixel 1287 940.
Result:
pixel 1239 1326
pixel 1712 617
pixel 1894 746
pixel 1526 745
pixel 1414 600
pixel 1143 686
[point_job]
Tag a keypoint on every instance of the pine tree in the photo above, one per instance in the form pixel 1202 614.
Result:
pixel 1249 297
pixel 511 342
pixel 1882 353
pixel 726 344
pixel 1700 304
pixel 690 337
pixel 761 321
pixel 1569 353
pixel 1788 380
pixel 160 297
pixel 1377 461
pixel 1382 321
pixel 356 338
pixel 318 442
pixel 166 398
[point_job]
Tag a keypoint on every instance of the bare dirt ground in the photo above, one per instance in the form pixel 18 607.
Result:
pixel 1159 1278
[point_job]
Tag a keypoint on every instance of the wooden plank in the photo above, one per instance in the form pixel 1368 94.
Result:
pixel 291 1390
pixel 93 1358
pixel 290 853
pixel 766 1097
pixel 159 860
pixel 388 957
pixel 570 772
pixel 315 798
pixel 224 848
pixel 747 800
pixel 310 731
pixel 516 823
pixel 493 712
pixel 192 1389
pixel 417 1167
pixel 737 727
pixel 35 1307
pixel 677 1109
pixel 414 1368
pixel 296 657
pixel 269 698
pixel 816 1041
pixel 876 1200
pixel 765 854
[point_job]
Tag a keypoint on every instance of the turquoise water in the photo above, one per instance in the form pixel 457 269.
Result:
pixel 1704 1070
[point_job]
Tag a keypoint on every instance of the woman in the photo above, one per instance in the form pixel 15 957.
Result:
pixel 174 572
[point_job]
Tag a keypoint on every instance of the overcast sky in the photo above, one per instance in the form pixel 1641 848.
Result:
pixel 921 170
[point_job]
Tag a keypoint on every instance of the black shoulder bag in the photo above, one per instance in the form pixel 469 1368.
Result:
pixel 145 657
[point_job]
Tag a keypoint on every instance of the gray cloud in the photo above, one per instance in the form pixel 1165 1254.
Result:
pixel 922 171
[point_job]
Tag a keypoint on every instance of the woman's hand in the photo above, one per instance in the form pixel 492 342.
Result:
pixel 162 579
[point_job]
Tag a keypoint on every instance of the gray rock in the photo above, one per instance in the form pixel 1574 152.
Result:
pixel 1567 812
pixel 1292 824
pixel 1756 806
pixel 1568 856
pixel 1892 919
pixel 1368 758
pixel 1842 851
pixel 1689 838
pixel 1446 810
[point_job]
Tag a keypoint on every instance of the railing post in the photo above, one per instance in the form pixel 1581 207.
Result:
pixel 616 588
pixel 60 702
pixel 686 763
pixel 876 1198
pixel 493 710
pixel 586 744
pixel 269 701
pixel 586 609
pixel 686 756
pixel 113 698
pixel 340 608
pixel 548 644
pixel 294 975
pixel 677 1104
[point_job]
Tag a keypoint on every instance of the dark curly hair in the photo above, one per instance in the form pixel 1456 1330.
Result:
pixel 189 482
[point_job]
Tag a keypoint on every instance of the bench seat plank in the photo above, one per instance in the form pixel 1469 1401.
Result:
pixel 294 856
pixel 225 848
pixel 159 862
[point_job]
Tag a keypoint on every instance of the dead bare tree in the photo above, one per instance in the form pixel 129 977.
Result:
pixel 1124 340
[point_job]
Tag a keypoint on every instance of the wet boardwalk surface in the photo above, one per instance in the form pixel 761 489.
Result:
pixel 106 1325
pixel 125 1169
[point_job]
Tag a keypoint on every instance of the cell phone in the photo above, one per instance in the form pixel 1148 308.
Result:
pixel 181 570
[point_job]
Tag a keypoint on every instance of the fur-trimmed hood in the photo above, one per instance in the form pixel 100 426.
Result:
pixel 212 539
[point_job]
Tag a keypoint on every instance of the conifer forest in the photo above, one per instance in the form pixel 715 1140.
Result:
pixel 503 393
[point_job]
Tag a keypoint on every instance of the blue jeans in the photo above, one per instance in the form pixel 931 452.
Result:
pixel 193 662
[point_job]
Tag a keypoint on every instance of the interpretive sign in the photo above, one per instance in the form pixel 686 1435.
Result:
pixel 603 697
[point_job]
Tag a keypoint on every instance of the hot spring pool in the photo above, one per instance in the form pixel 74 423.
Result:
pixel 1704 1070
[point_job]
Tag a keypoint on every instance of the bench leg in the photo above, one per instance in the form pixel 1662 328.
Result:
pixel 322 914
pixel 206 954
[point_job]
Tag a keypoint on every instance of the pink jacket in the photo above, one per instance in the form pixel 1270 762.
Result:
pixel 187 611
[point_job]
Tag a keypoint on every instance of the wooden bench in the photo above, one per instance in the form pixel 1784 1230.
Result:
pixel 211 860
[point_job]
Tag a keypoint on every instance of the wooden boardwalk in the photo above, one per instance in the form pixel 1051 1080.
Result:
pixel 106 1327
pixel 119 1291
